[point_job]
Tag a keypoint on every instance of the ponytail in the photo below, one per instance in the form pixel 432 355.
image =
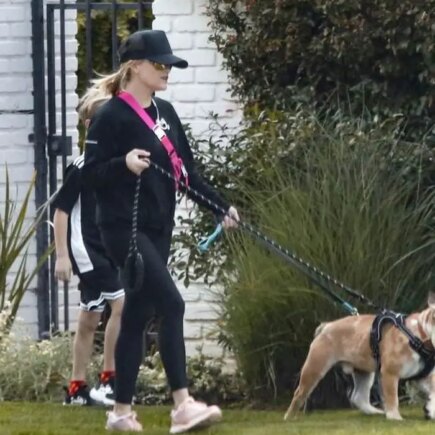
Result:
pixel 102 89
pixel 90 102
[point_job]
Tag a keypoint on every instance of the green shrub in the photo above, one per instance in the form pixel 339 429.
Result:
pixel 380 50
pixel 329 193
pixel 242 161
pixel 371 61
pixel 31 370
pixel 208 381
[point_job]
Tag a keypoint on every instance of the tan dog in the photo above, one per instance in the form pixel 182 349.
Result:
pixel 347 342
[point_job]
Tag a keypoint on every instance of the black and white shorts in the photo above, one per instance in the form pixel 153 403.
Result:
pixel 99 286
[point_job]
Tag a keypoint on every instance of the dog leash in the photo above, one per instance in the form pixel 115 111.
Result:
pixel 318 277
pixel 133 270
pixel 205 244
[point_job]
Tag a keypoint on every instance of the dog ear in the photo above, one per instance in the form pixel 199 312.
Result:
pixel 431 300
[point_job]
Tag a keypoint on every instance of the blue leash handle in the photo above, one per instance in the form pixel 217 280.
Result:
pixel 205 243
pixel 350 309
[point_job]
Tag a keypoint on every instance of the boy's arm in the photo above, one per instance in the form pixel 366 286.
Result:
pixel 63 266
pixel 64 203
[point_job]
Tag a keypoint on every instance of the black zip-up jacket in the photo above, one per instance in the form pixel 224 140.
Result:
pixel 115 130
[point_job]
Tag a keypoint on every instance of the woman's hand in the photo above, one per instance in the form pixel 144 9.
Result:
pixel 137 160
pixel 62 268
pixel 231 218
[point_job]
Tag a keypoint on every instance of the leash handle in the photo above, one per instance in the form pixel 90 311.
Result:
pixel 350 308
pixel 205 243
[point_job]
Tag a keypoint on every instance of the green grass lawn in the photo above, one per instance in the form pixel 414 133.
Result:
pixel 52 419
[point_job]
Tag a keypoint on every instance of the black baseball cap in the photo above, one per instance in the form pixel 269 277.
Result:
pixel 150 45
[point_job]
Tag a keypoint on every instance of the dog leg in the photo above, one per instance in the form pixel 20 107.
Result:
pixel 390 385
pixel 319 361
pixel 360 397
pixel 427 385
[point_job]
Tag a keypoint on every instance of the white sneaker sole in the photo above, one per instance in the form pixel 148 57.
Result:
pixel 117 429
pixel 213 415
pixel 113 426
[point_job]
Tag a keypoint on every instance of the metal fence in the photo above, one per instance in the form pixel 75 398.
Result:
pixel 52 145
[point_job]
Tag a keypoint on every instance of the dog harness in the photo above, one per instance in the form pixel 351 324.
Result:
pixel 398 320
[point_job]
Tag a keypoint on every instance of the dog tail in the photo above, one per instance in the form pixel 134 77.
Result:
pixel 320 328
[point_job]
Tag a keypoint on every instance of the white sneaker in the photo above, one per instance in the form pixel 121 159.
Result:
pixel 127 423
pixel 103 395
pixel 191 414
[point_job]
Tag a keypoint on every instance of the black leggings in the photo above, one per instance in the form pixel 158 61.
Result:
pixel 158 294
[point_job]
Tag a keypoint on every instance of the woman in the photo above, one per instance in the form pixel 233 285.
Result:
pixel 119 148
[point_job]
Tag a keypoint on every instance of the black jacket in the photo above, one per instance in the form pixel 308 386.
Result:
pixel 85 247
pixel 114 131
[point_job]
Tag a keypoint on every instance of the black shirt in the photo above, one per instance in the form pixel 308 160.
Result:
pixel 84 243
pixel 114 131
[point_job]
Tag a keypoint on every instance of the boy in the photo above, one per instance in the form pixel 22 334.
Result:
pixel 79 249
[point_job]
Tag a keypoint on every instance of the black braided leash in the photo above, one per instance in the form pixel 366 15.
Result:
pixel 322 279
pixel 133 271
pixel 132 248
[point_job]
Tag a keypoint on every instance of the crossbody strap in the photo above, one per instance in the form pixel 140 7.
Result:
pixel 176 162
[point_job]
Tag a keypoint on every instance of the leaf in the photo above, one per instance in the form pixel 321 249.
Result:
pixel 15 239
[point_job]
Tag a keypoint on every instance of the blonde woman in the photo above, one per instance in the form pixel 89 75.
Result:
pixel 79 249
pixel 125 134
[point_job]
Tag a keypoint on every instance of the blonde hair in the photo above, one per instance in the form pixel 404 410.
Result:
pixel 90 102
pixel 102 89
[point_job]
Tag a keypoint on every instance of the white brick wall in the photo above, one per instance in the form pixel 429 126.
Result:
pixel 195 92
pixel 16 94
pixel 201 88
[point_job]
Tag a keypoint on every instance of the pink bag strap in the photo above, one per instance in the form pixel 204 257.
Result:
pixel 176 162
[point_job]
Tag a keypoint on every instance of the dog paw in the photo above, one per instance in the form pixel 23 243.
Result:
pixel 429 412
pixel 394 416
pixel 290 415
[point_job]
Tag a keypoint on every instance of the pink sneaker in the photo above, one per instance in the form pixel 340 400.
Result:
pixel 192 414
pixel 125 422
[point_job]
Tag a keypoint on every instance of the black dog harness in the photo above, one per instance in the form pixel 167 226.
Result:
pixel 398 320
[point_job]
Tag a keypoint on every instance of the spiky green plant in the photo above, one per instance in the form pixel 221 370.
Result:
pixel 15 236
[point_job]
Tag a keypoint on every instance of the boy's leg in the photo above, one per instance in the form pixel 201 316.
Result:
pixel 77 393
pixel 91 307
pixel 103 393
pixel 83 342
pixel 113 294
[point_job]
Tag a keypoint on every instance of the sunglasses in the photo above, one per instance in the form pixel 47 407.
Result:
pixel 160 66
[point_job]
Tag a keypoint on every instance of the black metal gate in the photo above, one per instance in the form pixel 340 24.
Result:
pixel 51 143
